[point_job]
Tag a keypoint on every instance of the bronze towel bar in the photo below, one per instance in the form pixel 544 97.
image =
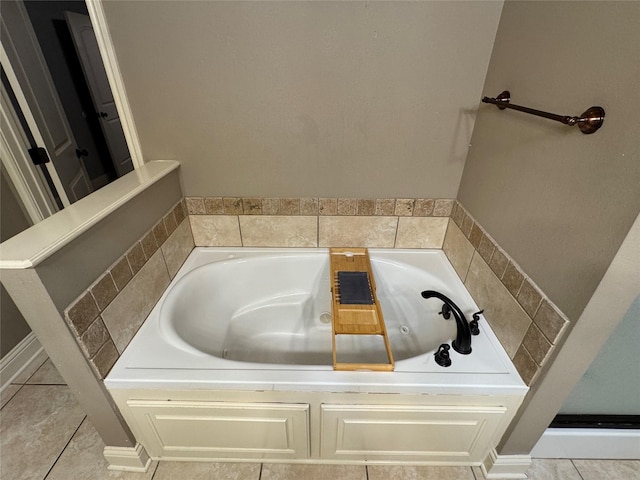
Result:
pixel 589 122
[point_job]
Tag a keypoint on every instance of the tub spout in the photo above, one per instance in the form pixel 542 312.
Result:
pixel 462 343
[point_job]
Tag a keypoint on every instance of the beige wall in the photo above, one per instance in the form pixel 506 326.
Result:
pixel 307 99
pixel 558 201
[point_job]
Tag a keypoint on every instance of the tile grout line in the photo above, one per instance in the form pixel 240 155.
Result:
pixel 259 474
pixel 576 468
pixel 64 448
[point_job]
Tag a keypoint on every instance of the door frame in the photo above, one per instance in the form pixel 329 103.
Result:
pixel 107 51
pixel 36 196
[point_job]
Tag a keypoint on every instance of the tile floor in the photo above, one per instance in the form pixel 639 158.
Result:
pixel 44 435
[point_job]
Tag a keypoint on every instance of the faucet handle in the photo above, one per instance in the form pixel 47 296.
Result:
pixel 473 324
pixel 442 355
pixel 446 311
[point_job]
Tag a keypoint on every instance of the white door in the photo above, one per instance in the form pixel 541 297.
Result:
pixel 84 39
pixel 38 100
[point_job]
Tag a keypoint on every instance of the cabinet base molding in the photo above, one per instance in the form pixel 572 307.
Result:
pixel 505 467
pixel 128 459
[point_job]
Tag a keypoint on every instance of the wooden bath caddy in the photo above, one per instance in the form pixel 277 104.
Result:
pixel 355 309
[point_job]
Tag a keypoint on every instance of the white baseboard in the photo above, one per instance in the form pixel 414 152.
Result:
pixel 14 362
pixel 128 459
pixel 505 467
pixel 596 443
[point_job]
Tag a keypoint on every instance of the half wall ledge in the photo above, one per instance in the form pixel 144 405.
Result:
pixel 37 243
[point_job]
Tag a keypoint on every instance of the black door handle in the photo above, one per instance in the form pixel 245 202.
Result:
pixel 82 153
pixel 102 114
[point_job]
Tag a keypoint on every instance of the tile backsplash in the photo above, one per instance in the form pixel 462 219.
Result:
pixel 319 222
pixel 107 315
pixel 525 321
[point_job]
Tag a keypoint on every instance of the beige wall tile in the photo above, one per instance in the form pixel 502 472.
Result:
pixel 105 358
pixel 170 222
pixel 458 249
pixel 357 231
pixel 121 273
pixel 423 207
pixel 94 338
pixel 279 231
pixel 195 205
pixel 232 205
pixel 252 206
pixel 421 232
pixel 149 244
pixel 529 297
pixel 404 207
pixel 536 344
pixel 82 313
pixel 347 206
pixel 505 315
pixel 513 278
pixel 289 206
pixel 215 230
pixel 525 365
pixel 270 206
pixel 213 206
pixel 308 206
pixel 385 206
pixel 177 248
pixel 128 310
pixel 499 262
pixel 550 321
pixel 136 257
pixel 366 206
pixel 443 207
pixel 328 206
pixel 104 291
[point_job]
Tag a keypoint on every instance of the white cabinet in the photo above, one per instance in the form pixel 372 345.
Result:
pixel 220 430
pixel 433 433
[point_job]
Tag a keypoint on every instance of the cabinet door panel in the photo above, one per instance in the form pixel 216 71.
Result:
pixel 222 430
pixel 408 433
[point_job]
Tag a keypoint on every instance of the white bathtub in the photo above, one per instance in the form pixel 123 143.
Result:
pixel 234 364
pixel 249 318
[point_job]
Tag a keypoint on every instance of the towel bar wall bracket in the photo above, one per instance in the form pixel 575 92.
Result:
pixel 589 122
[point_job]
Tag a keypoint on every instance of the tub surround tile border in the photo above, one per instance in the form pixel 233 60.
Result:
pixel 310 206
pixel 105 317
pixel 527 323
pixel 318 222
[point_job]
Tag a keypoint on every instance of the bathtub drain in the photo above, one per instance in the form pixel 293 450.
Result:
pixel 404 330
pixel 325 317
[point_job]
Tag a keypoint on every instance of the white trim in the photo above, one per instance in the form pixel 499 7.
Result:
pixel 28 185
pixel 107 50
pixel 127 459
pixel 506 467
pixel 596 443
pixel 30 247
pixel 18 359
pixel 26 110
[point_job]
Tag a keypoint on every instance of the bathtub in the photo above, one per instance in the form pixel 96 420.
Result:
pixel 248 330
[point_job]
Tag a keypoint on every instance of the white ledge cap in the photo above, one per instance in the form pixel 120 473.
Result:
pixel 30 247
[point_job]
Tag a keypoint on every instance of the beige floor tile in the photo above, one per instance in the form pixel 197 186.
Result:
pixel 30 369
pixel 7 393
pixel 397 472
pixel 551 469
pixel 207 471
pixel 608 469
pixel 36 425
pixel 47 374
pixel 283 471
pixel 83 460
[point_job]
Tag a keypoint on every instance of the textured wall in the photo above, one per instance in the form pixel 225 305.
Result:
pixel 558 201
pixel 306 99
